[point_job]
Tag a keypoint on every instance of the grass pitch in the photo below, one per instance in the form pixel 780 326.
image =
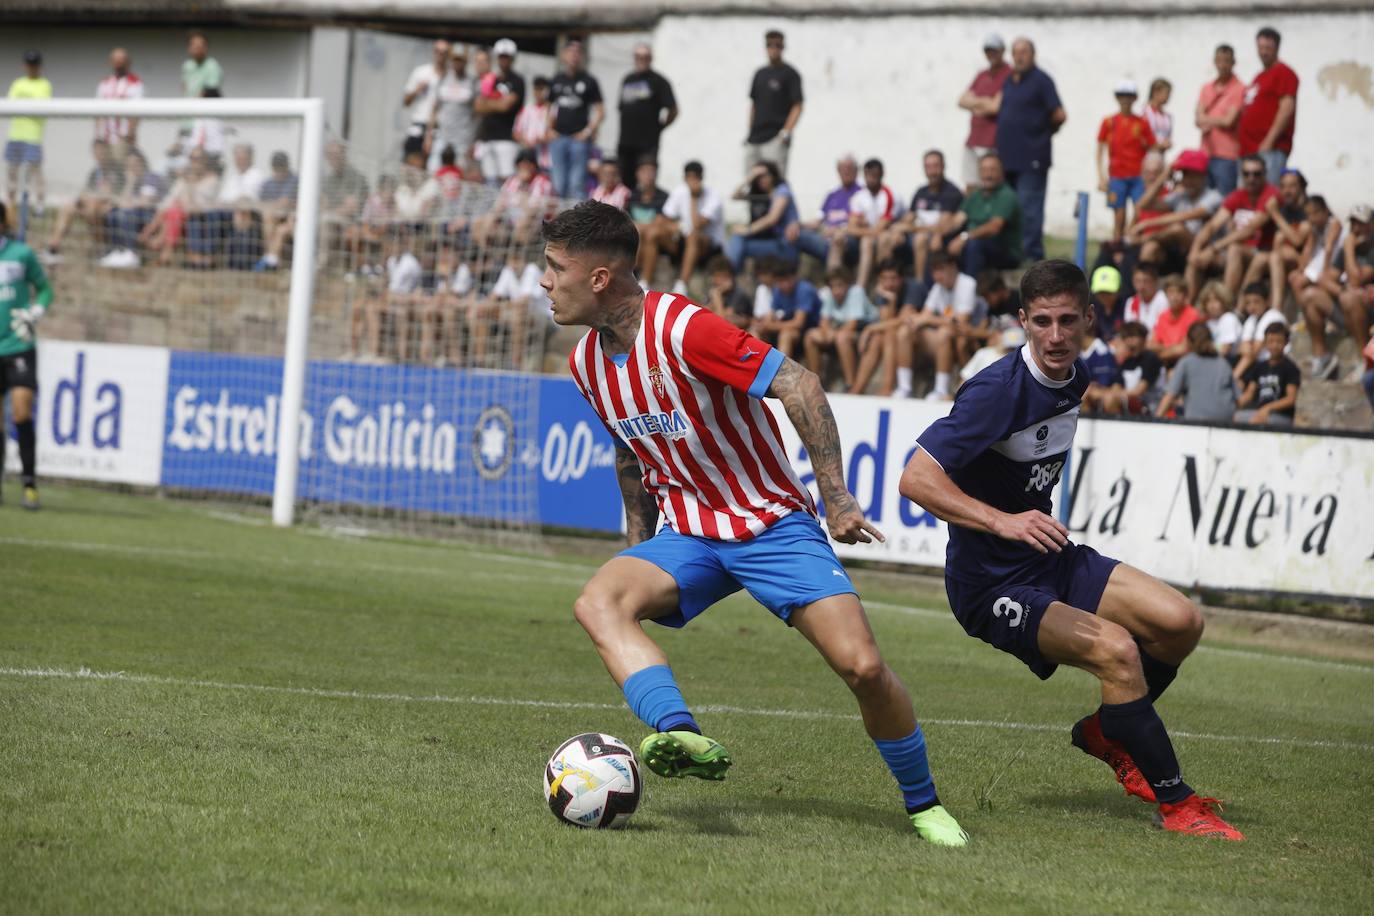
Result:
pixel 204 715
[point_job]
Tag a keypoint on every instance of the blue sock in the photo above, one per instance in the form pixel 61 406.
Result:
pixel 906 758
pixel 654 696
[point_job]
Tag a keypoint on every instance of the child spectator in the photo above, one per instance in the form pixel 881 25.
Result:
pixel 379 212
pixel 1271 384
pixel 1201 381
pixel 448 174
pixel 1105 393
pixel 845 310
pixel 403 277
pixel 1222 321
pixel 725 298
pixel 897 299
pixel 1141 370
pixel 1254 305
pixel 795 307
pixel 1122 142
pixel 609 189
pixel 1107 313
pixel 957 317
pixel 1160 121
pixel 1169 338
pixel 1149 301
pixel 532 124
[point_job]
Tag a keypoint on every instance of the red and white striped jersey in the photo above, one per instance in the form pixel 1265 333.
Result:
pixel 687 401
pixel 128 86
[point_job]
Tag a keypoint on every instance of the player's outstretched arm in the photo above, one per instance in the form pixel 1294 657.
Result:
pixel 641 509
pixel 925 483
pixel 803 397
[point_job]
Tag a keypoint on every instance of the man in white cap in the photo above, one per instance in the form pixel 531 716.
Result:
pixel 498 106
pixel 980 101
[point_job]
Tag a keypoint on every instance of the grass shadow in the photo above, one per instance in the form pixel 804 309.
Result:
pixel 1093 802
pixel 718 817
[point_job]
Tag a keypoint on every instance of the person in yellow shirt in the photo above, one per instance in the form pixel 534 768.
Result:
pixel 25 145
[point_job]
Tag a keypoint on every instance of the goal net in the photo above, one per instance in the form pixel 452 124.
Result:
pixel 207 312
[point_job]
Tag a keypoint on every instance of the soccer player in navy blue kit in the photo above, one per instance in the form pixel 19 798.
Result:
pixel 1017 582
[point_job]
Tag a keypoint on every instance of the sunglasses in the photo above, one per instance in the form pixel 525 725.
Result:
pixel 1249 174
pixel 773 44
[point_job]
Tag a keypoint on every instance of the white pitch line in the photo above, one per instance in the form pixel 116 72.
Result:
pixel 86 674
pixel 463 571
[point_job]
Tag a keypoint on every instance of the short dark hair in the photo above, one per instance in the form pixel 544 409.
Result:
pixel 939 259
pixel 448 156
pixel 541 82
pixel 720 264
pixel 693 168
pixel 1319 201
pixel 991 281
pixel 1271 33
pixel 767 266
pixel 594 228
pixel 1260 289
pixel 1146 268
pixel 1047 279
pixel 773 35
pixel 873 164
pixel 782 267
pixel 841 273
pixel 1276 327
pixel 1253 157
pixel 1224 48
pixel 889 264
pixel 646 159
pixel 1133 329
pixel 197 33
pixel 933 152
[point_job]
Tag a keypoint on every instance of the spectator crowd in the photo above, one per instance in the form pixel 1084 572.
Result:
pixel 1217 254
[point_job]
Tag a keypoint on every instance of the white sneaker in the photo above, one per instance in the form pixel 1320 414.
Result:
pixel 121 259
pixel 939 396
pixel 901 392
pixel 679 288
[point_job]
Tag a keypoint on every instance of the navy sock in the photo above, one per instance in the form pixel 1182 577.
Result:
pixel 906 758
pixel 26 450
pixel 654 697
pixel 1138 728
pixel 1158 674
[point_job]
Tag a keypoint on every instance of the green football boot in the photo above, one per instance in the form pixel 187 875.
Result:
pixel 679 754
pixel 938 826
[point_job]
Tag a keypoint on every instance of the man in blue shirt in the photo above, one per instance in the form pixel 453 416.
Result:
pixel 1016 581
pixel 796 307
pixel 1029 114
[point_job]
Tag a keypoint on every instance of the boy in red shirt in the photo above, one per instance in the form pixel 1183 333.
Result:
pixel 1122 142
pixel 1169 338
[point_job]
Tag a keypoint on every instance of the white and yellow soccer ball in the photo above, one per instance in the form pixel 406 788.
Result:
pixel 592 780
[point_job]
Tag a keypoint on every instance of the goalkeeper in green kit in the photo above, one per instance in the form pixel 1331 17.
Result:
pixel 19 315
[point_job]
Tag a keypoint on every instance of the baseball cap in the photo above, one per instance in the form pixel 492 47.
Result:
pixel 1106 279
pixel 1362 213
pixel 504 48
pixel 33 57
pixel 1191 160
pixel 993 42
pixel 1125 87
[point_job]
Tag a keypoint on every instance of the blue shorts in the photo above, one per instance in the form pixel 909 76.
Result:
pixel 788 566
pixel 1120 190
pixel 17 151
pixel 1007 615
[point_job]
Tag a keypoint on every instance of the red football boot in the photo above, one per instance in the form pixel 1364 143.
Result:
pixel 1194 815
pixel 1088 738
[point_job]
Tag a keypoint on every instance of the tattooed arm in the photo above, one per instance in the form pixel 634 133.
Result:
pixel 807 407
pixel 641 509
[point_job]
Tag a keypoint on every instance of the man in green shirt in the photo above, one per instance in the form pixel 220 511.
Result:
pixel 989 223
pixel 19 270
pixel 24 146
pixel 199 71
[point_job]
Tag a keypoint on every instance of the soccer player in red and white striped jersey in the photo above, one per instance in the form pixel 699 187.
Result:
pixel 680 389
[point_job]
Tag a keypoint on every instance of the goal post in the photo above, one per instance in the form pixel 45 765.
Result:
pixel 309 113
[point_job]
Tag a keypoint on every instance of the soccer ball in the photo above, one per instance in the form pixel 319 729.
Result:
pixel 592 780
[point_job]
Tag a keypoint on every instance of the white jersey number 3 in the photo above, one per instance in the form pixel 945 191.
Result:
pixel 1012 610
pixel 1042 476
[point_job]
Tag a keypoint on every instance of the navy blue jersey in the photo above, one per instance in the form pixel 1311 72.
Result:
pixel 1004 443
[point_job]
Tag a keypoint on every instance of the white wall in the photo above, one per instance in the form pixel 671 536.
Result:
pixel 888 87
pixel 256 64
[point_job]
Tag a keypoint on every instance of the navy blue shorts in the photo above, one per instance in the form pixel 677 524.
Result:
pixel 788 566
pixel 1007 614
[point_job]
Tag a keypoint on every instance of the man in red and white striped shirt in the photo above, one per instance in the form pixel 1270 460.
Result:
pixel 609 189
pixel 122 83
pixel 680 389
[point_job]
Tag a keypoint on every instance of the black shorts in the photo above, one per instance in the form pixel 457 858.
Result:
pixel 1007 614
pixel 19 370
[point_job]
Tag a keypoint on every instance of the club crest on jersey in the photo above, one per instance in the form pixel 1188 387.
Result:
pixel 656 381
